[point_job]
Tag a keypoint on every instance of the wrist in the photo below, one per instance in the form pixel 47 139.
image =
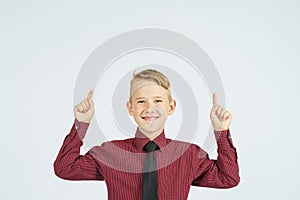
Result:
pixel 81 127
pixel 221 128
pixel 83 121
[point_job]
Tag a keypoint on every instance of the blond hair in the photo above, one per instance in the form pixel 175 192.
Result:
pixel 151 75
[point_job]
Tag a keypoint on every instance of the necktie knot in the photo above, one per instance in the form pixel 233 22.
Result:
pixel 150 147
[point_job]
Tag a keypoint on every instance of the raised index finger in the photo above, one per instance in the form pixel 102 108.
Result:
pixel 214 99
pixel 90 94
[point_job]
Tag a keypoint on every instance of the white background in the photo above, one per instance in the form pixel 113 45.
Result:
pixel 254 45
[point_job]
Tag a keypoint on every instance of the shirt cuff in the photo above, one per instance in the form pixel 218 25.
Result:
pixel 81 128
pixel 224 138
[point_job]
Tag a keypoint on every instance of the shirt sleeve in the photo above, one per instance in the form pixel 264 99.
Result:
pixel 69 164
pixel 220 173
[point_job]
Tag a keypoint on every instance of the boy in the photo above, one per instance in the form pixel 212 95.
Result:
pixel 149 166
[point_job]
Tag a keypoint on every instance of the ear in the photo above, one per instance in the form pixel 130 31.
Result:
pixel 129 108
pixel 172 106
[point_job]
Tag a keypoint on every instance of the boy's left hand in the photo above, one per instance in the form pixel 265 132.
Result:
pixel 219 116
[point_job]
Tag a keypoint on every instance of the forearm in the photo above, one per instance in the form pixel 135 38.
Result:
pixel 220 173
pixel 227 157
pixel 69 164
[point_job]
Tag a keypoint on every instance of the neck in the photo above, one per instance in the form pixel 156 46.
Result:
pixel 151 135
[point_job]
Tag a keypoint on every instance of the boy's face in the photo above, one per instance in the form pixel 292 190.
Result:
pixel 150 107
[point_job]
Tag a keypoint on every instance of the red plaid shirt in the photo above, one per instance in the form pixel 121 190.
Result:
pixel 120 164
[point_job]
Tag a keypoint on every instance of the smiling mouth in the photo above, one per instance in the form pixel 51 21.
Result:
pixel 150 118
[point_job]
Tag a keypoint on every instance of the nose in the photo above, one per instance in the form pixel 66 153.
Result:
pixel 149 106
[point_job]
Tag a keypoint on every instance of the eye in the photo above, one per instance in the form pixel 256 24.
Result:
pixel 141 102
pixel 158 101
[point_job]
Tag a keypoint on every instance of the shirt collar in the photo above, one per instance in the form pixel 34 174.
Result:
pixel 141 140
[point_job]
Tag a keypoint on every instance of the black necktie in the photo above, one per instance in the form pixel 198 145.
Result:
pixel 149 176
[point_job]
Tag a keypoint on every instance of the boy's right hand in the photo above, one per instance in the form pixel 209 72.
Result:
pixel 84 111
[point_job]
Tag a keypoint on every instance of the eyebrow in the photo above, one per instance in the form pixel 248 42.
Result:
pixel 139 98
pixel 156 97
